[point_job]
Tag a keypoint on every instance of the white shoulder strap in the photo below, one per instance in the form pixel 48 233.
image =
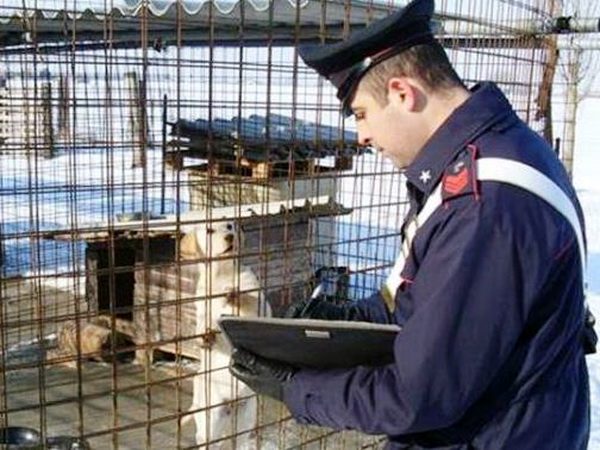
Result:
pixel 534 181
pixel 490 169
pixel 391 285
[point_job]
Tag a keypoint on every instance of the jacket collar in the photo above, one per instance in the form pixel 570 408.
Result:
pixel 486 107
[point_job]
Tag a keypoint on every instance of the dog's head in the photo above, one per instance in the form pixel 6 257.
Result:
pixel 210 240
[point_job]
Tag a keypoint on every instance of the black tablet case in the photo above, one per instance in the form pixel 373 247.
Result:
pixel 312 343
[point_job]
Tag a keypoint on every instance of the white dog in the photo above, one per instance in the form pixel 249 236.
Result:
pixel 224 287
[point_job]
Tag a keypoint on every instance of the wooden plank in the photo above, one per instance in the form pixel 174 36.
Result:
pixel 33 309
pixel 262 171
pixel 314 206
pixel 343 163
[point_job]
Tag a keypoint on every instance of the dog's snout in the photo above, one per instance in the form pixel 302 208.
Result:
pixel 229 238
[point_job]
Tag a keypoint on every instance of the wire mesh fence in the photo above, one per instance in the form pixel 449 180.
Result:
pixel 126 126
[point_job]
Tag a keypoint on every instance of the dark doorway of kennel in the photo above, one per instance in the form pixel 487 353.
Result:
pixel 110 277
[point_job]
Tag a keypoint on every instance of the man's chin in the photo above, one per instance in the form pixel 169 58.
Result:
pixel 398 163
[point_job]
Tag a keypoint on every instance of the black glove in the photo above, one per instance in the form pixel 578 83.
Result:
pixel 590 338
pixel 263 376
pixel 321 307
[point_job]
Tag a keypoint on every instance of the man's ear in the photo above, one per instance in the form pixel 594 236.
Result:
pixel 403 92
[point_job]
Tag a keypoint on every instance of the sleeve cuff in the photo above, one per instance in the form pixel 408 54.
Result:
pixel 296 397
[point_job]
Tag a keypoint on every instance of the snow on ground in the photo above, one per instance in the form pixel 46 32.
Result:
pixel 47 194
pixel 586 180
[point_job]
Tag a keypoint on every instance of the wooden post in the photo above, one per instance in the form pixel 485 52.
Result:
pixel 92 258
pixel 47 129
pixel 164 156
pixel 137 117
pixel 568 148
pixel 63 107
pixel 26 122
pixel 4 112
pixel 544 99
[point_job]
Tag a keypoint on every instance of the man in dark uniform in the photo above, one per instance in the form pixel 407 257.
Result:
pixel 489 292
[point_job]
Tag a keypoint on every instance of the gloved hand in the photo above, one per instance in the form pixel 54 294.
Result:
pixel 263 376
pixel 320 307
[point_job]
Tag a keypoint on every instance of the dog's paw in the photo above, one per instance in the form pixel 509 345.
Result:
pixel 209 338
pixel 233 298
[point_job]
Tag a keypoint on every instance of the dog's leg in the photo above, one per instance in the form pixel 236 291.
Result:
pixel 219 381
pixel 201 395
pixel 234 417
pixel 198 410
pixel 245 421
pixel 219 422
pixel 200 417
pixel 237 421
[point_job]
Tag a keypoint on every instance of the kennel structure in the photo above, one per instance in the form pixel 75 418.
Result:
pixel 301 161
pixel 159 294
pixel 287 169
pixel 124 123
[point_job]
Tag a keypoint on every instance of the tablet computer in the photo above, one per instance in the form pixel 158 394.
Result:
pixel 312 343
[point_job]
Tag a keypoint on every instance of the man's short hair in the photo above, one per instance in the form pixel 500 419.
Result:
pixel 345 63
pixel 427 63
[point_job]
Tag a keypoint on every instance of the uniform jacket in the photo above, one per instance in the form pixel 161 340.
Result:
pixel 491 309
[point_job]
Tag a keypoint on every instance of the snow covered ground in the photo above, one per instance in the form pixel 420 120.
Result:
pixel 586 178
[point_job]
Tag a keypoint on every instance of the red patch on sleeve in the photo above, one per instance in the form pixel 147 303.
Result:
pixel 455 184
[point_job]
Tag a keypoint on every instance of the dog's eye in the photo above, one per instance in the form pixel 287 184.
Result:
pixel 229 226
pixel 210 230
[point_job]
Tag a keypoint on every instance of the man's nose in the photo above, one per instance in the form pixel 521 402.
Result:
pixel 362 131
pixel 364 139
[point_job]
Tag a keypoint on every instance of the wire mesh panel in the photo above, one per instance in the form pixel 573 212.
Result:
pixel 164 163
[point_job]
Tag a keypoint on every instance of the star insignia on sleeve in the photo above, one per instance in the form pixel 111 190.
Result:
pixel 425 176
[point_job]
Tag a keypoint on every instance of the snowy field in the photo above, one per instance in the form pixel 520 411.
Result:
pixel 587 181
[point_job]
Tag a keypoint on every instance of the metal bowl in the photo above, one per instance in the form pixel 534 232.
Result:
pixel 66 443
pixel 20 438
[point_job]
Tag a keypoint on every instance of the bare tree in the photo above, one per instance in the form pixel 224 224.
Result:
pixel 578 69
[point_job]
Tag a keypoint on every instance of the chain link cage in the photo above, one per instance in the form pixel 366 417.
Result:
pixel 126 126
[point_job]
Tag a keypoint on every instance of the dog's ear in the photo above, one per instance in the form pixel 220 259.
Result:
pixel 188 246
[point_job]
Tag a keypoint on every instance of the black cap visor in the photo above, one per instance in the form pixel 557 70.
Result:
pixel 347 80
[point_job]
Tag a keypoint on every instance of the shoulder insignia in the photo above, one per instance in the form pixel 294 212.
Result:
pixel 459 177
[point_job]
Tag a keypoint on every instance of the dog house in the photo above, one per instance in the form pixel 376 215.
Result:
pixel 144 280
